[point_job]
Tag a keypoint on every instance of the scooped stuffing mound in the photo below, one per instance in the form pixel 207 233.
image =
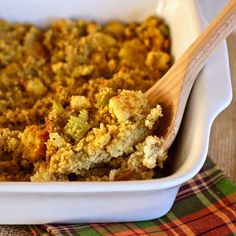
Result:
pixel 109 139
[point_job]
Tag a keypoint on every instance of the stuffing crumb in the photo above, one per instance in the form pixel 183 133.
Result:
pixel 153 152
pixel 112 174
pixel 79 103
pixel 153 116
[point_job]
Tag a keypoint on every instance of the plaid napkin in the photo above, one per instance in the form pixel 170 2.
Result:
pixel 205 205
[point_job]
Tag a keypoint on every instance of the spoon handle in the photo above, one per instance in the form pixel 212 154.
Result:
pixel 215 33
pixel 194 58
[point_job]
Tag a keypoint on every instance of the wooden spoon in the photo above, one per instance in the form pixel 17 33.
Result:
pixel 173 89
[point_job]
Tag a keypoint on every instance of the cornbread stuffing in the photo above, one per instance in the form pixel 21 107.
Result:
pixel 72 103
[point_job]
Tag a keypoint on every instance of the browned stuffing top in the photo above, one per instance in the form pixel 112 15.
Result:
pixel 65 109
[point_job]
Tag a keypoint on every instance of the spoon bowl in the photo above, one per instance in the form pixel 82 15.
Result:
pixel 173 89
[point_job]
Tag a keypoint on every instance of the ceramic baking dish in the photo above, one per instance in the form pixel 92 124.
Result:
pixel 36 203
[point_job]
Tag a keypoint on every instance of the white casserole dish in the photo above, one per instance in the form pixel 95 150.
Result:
pixel 37 203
